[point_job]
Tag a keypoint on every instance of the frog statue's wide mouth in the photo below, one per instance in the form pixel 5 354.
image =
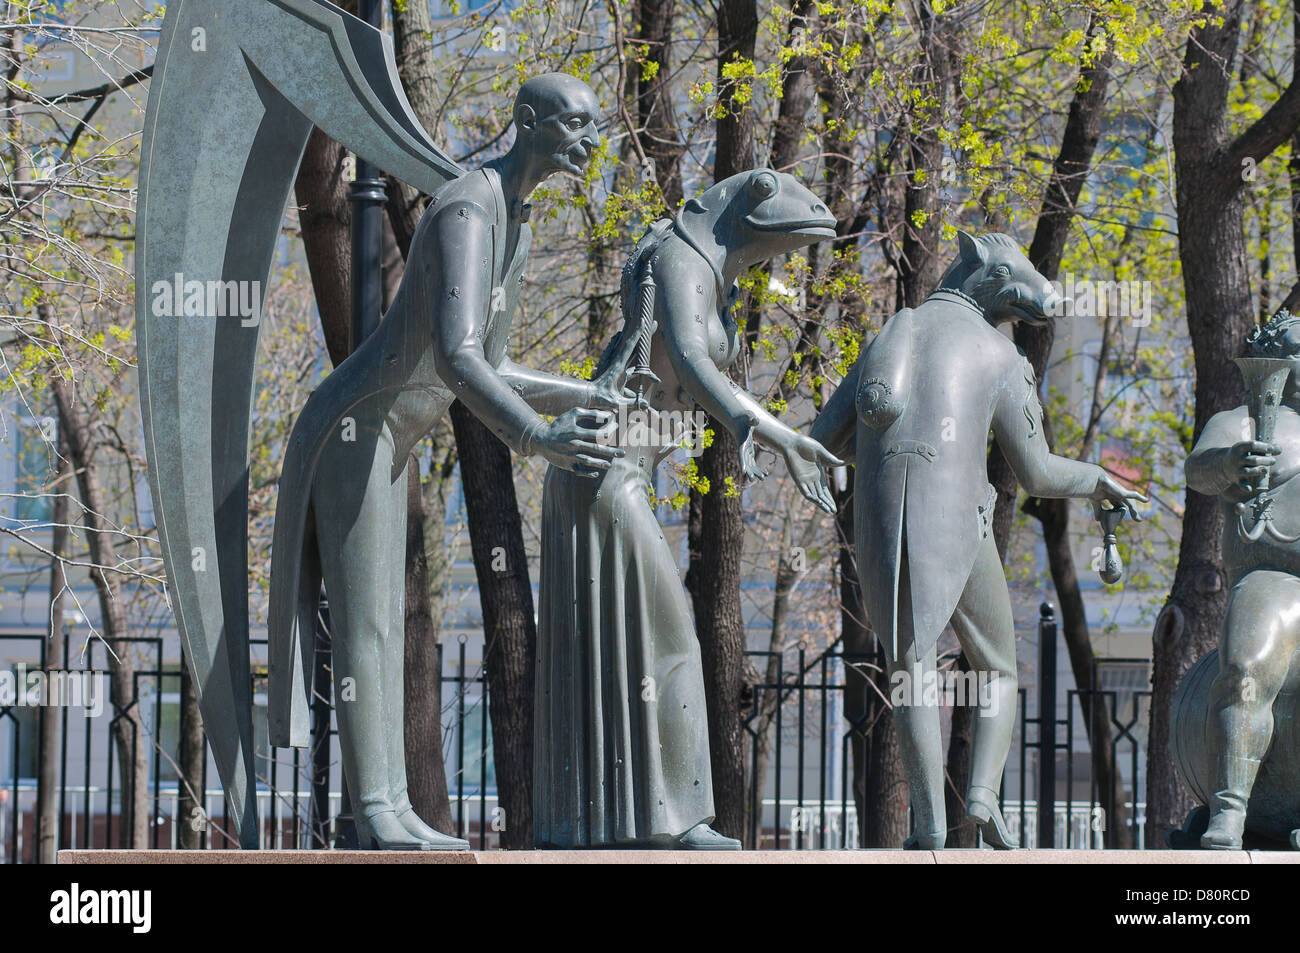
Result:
pixel 819 227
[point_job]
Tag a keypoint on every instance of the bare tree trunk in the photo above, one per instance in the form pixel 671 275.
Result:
pixel 659 136
pixel 1212 249
pixel 886 793
pixel 426 771
pixel 132 745
pixel 879 782
pixel 961 829
pixel 412 46
pixel 798 89
pixel 191 812
pixel 48 809
pixel 924 156
pixel 509 624
pixel 325 218
pixel 436 492
pixel 717 534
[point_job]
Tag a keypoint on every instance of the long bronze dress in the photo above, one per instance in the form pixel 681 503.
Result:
pixel 621 754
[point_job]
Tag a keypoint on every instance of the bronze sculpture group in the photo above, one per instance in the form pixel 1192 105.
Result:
pixel 621 752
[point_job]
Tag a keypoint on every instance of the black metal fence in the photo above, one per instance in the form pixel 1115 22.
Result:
pixel 810 729
pixel 89 788
pixel 809 737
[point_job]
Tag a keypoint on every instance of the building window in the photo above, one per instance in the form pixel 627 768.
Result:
pixel 31 458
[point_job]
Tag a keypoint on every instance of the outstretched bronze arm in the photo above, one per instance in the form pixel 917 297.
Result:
pixel 736 409
pixel 1018 426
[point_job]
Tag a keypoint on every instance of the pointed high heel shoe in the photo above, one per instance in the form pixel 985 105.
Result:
pixel 383 831
pixel 434 838
pixel 984 811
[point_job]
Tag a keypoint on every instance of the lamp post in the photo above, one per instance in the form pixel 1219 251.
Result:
pixel 1047 725
pixel 367 196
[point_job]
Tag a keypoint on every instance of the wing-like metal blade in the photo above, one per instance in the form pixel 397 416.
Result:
pixel 236 89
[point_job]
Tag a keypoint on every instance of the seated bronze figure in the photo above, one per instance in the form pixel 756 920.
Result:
pixel 1235 716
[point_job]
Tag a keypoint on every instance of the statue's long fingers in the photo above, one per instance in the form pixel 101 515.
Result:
pixel 822 497
pixel 604 450
pixel 592 463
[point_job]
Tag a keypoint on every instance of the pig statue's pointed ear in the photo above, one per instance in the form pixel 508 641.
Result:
pixel 971 252
pixel 695 207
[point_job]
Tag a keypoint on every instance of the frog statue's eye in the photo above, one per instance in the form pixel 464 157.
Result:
pixel 762 185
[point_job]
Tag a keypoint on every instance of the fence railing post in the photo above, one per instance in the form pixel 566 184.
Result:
pixel 1047 725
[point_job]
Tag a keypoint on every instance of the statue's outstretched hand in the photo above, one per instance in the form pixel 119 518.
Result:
pixel 807 461
pixel 1110 491
pixel 581 440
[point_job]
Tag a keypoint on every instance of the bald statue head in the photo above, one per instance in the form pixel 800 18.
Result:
pixel 555 122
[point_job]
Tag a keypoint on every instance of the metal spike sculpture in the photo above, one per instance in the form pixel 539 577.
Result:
pixel 236 90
